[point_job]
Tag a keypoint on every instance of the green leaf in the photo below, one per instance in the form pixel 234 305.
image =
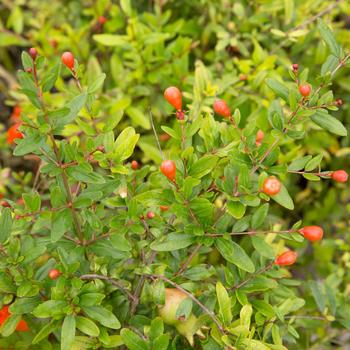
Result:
pixel 80 174
pixel 327 122
pixel 97 83
pixel 262 247
pixel 299 163
pixel 233 253
pixel 236 209
pixel 328 37
pixel 75 105
pixel 203 166
pixel 329 65
pixel 184 309
pixel 175 135
pixel 29 144
pixel 49 308
pixel 314 163
pixel 283 198
pixel 224 303
pixel 162 342
pixel 50 79
pixel 278 88
pixel 32 201
pixel 132 340
pixel 45 331
pixel 318 295
pixel 6 283
pixel 68 332
pixel 173 241
pixel 27 61
pixel 60 222
pixel 9 326
pixel 138 117
pixel 125 144
pixel 111 40
pixel 259 216
pixel 263 307
pixel 245 315
pixel 5 224
pixel 103 316
pixel 87 326
pixel 157 328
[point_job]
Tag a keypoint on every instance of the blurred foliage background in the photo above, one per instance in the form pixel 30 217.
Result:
pixel 228 48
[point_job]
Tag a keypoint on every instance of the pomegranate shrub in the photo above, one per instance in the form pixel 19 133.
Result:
pixel 105 252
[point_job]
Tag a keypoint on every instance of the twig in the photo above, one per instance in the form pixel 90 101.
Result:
pixel 306 23
pixel 155 132
pixel 141 281
pixel 188 260
pixel 251 233
pixel 259 272
pixel 110 280
pixel 193 298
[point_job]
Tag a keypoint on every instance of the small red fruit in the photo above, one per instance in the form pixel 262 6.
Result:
pixel 22 326
pixel 53 43
pixel 168 168
pixel 287 258
pixel 221 108
pixel 312 233
pixel 13 133
pixel 271 186
pixel 305 89
pixel 67 59
pixel 102 20
pixel 180 115
pixel 243 77
pixel 5 204
pixel 259 137
pixel 20 201
pixel 164 137
pixel 150 215
pixel 295 67
pixel 340 176
pixel 339 102
pixel 54 274
pixel 134 165
pixel 163 208
pixel 33 53
pixel 173 95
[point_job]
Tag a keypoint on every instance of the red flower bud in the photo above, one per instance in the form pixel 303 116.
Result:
pixel 163 208
pixel 150 215
pixel 287 258
pixel 305 89
pixel 295 67
pixel 13 133
pixel 173 95
pixel 54 274
pixel 259 137
pixel 134 165
pixel 168 168
pixel 221 108
pixel 312 233
pixel 67 59
pixel 102 20
pixel 33 53
pixel 272 186
pixel 340 176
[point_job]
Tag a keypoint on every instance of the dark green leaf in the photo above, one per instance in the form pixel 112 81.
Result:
pixel 233 253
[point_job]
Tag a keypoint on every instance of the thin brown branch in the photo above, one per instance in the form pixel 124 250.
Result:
pixel 188 260
pixel 193 298
pixel 111 281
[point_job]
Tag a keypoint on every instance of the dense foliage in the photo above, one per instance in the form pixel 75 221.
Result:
pixel 174 175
